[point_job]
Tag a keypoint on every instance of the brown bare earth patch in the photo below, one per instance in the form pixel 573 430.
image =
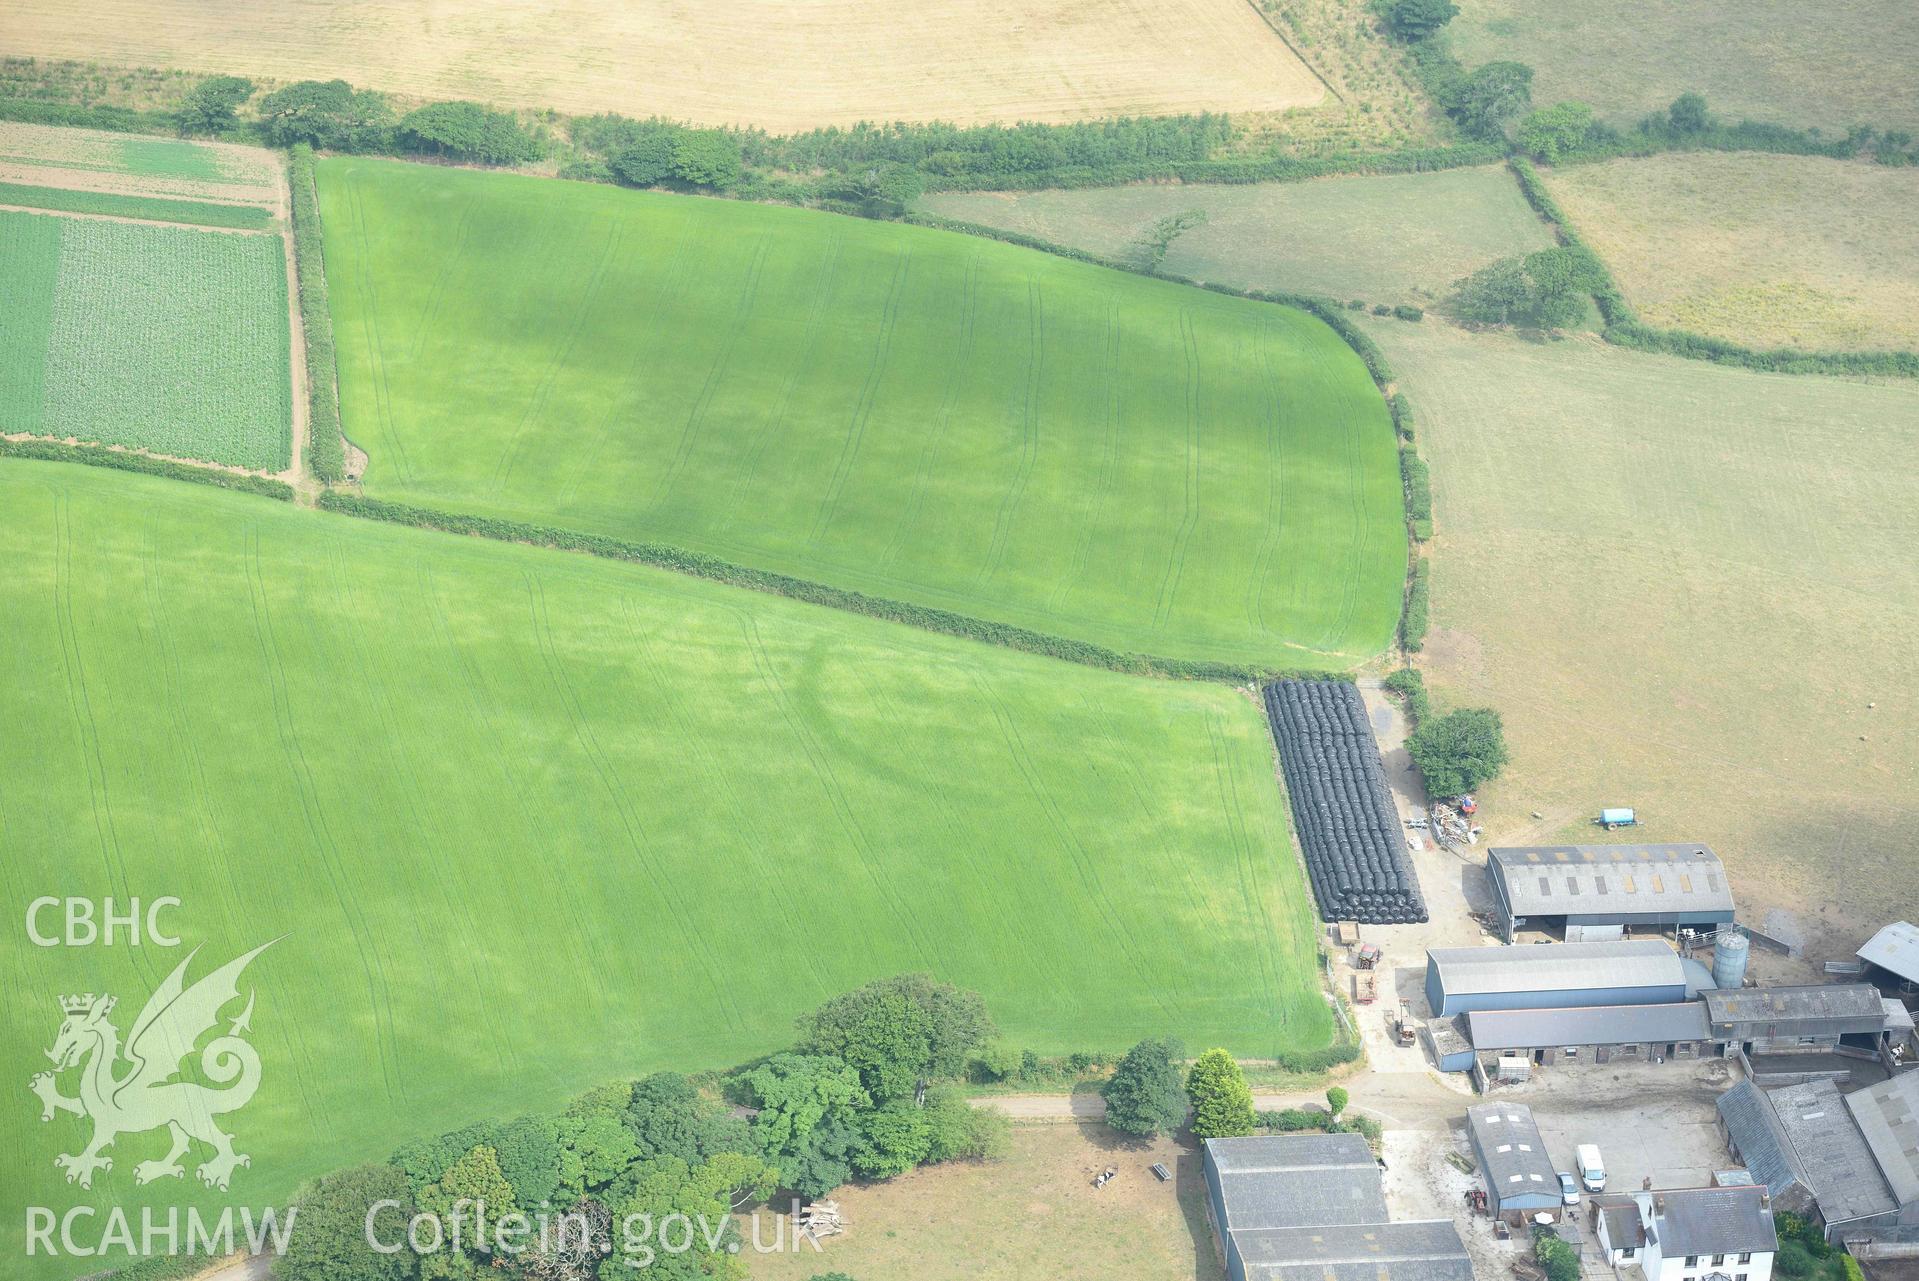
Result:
pixel 1798 251
pixel 94 160
pixel 1033 1214
pixel 769 63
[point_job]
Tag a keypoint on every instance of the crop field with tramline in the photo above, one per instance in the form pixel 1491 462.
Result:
pixel 910 413
pixel 620 819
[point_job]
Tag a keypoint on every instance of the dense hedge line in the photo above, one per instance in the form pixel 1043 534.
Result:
pixel 1239 169
pixel 326 451
pixel 1413 624
pixel 35 111
pixel 1419 492
pixel 99 456
pixel 1623 328
pixel 700 565
pixel 193 213
pixel 1323 1059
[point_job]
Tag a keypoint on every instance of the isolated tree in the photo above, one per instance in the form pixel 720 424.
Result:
pixel 707 158
pixel 1551 133
pixel 1547 289
pixel 1222 1102
pixel 1688 114
pixel 1336 1100
pixel 1146 1094
pixel 209 105
pixel 1496 294
pixel 329 1237
pixel 1489 96
pixel 1459 751
pixel 1417 19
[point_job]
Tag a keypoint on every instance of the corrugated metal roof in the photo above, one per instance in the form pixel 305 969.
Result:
pixel 1586 1025
pixel 1557 967
pixel 1851 1007
pixel 1298 1180
pixel 1895 948
pixel 1512 1154
pixel 1419 1250
pixel 1831 1150
pixel 1290 1152
pixel 1760 1139
pixel 1888 1117
pixel 1589 880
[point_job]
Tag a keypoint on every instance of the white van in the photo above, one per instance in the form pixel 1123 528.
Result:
pixel 1592 1171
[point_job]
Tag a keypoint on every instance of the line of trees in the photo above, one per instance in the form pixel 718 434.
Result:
pixel 864 1093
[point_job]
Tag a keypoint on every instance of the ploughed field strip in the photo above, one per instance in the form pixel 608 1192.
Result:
pixel 1343 810
pixel 913 414
pixel 137 165
pixel 678 811
pixel 169 339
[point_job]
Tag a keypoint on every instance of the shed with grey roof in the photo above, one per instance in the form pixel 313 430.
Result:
pixel 1812 1017
pixel 1754 1134
pixel 1553 975
pixel 1887 1115
pixel 1894 951
pixel 1598 1034
pixel 1584 892
pixel 1840 1168
pixel 1312 1207
pixel 1521 1179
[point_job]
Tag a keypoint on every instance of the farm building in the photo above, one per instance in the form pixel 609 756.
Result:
pixel 1772 1019
pixel 1584 893
pixel 1312 1207
pixel 1687 1233
pixel 1594 1034
pixel 1521 1180
pixel 1892 955
pixel 1800 1143
pixel 1556 975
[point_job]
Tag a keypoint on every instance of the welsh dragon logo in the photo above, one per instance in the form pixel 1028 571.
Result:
pixel 131 1089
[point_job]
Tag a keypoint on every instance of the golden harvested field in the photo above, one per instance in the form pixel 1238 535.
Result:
pixel 1684 587
pixel 1795 251
pixel 771 63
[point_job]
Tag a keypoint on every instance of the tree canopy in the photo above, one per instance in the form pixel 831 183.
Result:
pixel 328 114
pixel 1417 19
pixel 1222 1101
pixel 1552 133
pixel 209 105
pixel 1146 1094
pixel 899 1031
pixel 1484 99
pixel 468 131
pixel 329 1237
pixel 1459 751
pixel 1547 289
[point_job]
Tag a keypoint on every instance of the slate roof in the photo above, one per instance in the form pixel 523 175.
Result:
pixel 1761 1140
pixel 1833 1152
pixel 1512 1154
pixel 1895 948
pixel 1557 967
pixel 1586 1025
pixel 1298 1180
pixel 1421 1250
pixel 1711 1220
pixel 1603 880
pixel 1840 1008
pixel 1888 1116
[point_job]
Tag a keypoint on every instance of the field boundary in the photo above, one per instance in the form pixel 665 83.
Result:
pixel 681 560
pixel 1623 328
pixel 121 458
pixel 326 445
pixel 204 215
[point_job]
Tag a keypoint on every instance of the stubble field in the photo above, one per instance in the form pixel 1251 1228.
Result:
pixel 1834 65
pixel 914 414
pixel 1684 587
pixel 530 821
pixel 769 63
pixel 1404 238
pixel 1796 251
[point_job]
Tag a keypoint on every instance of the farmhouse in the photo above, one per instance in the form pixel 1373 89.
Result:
pixel 1556 975
pixel 1689 1232
pixel 1521 1180
pixel 1583 893
pixel 1312 1207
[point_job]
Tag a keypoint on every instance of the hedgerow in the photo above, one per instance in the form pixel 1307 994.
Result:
pixel 326 451
pixel 1320 1060
pixel 700 565
pixel 121 460
pixel 1413 624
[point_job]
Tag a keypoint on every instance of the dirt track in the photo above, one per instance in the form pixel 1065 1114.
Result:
pixel 1398 1100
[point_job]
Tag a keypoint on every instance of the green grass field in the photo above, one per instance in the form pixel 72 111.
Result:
pixel 164 338
pixel 910 413
pixel 1833 65
pixel 1787 251
pixel 529 821
pixel 199 213
pixel 1683 587
pixel 1404 238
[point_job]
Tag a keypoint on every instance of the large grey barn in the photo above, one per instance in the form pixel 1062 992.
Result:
pixel 1595 892
pixel 1312 1207
pixel 1814 1017
pixel 1598 1034
pixel 1554 975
